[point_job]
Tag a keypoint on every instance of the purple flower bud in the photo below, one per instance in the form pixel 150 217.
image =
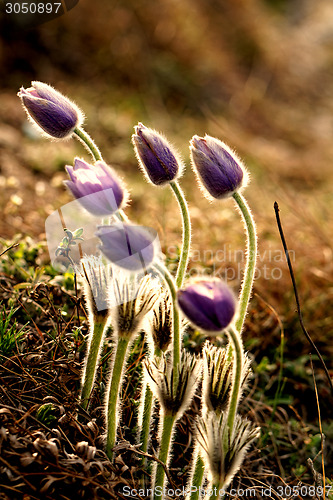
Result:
pixel 208 303
pixel 217 167
pixel 157 158
pixel 131 247
pixel 96 187
pixel 49 109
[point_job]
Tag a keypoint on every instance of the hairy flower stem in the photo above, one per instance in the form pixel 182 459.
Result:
pixel 91 363
pixel 168 424
pixel 168 279
pixel 147 409
pixel 199 470
pixel 146 415
pixel 182 266
pixel 88 143
pixel 113 391
pixel 215 488
pixel 237 377
pixel 251 253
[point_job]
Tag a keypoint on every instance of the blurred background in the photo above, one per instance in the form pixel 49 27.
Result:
pixel 257 74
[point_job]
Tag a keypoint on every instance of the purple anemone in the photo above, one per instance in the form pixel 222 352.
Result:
pixel 96 187
pixel 128 246
pixel 49 109
pixel 208 303
pixel 156 156
pixel 217 167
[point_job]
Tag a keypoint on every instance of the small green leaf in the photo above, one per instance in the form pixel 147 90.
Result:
pixel 69 234
pixel 77 233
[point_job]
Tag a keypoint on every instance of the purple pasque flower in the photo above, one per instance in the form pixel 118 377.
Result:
pixel 157 158
pixel 128 246
pixel 208 303
pixel 49 109
pixel 96 187
pixel 218 168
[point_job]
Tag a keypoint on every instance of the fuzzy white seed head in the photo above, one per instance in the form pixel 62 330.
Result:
pixel 218 364
pixel 160 324
pixel 222 451
pixel 96 276
pixel 161 376
pixel 131 299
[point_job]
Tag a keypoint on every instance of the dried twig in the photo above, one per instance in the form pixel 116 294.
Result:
pixel 322 437
pixel 299 312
